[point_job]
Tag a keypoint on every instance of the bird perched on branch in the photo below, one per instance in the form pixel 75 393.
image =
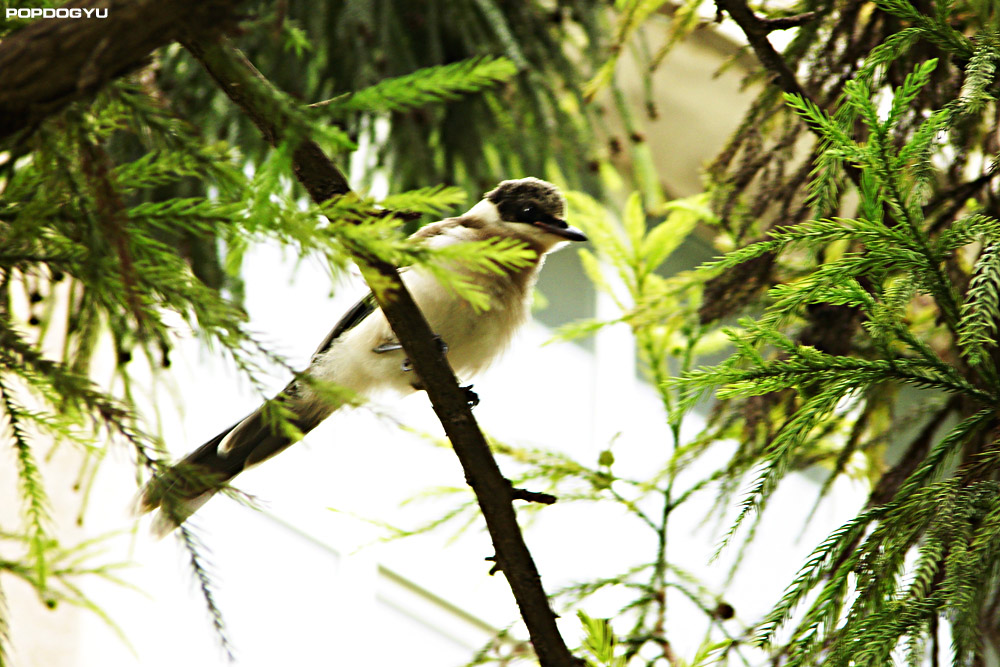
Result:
pixel 362 354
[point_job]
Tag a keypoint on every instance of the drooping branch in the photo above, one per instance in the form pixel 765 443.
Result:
pixel 322 179
pixel 54 61
pixel 729 291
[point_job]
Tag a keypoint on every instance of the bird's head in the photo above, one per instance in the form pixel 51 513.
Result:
pixel 534 210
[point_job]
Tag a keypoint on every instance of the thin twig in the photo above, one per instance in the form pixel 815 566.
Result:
pixel 786 22
pixel 533 496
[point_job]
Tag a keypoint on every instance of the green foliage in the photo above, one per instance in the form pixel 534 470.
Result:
pixel 65 567
pixel 864 280
pixel 599 641
pixel 859 302
pixel 978 326
pixel 342 49
pixel 934 28
pixel 457 266
pixel 633 14
pixel 911 298
pixel 980 73
pixel 426 86
pixel 32 489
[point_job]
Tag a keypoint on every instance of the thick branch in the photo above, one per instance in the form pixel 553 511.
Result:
pixel 322 179
pixel 54 61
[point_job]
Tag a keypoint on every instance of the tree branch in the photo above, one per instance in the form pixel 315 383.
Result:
pixel 533 496
pixel 321 178
pixel 756 33
pixel 54 61
pixel 786 22
pixel 732 289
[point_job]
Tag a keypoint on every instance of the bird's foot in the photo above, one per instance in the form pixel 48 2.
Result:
pixel 407 366
pixel 471 397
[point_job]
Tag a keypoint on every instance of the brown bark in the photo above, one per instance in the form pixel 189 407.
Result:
pixel 54 61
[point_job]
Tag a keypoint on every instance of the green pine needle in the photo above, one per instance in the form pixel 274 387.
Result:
pixel 430 85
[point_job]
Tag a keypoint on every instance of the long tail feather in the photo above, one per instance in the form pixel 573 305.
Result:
pixel 186 486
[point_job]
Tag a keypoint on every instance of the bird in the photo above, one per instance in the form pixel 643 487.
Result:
pixel 362 354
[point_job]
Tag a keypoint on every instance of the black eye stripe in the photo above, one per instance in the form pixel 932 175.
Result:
pixel 531 214
pixel 554 221
pixel 529 211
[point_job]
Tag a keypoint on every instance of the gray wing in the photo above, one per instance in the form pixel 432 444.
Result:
pixel 362 309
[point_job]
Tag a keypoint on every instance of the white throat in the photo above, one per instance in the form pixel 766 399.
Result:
pixel 486 211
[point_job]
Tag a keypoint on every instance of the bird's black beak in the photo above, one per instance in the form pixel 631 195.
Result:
pixel 560 228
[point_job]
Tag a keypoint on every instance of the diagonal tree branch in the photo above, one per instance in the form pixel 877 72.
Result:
pixel 322 179
pixel 756 33
pixel 54 61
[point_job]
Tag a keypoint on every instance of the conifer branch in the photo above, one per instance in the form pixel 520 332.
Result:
pixel 323 180
pixel 426 86
pixel 194 548
pixel 891 481
pixel 40 65
pixel 32 486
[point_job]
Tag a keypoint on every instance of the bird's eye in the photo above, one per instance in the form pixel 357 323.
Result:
pixel 529 213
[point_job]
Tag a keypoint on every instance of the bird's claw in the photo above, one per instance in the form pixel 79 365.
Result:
pixel 471 397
